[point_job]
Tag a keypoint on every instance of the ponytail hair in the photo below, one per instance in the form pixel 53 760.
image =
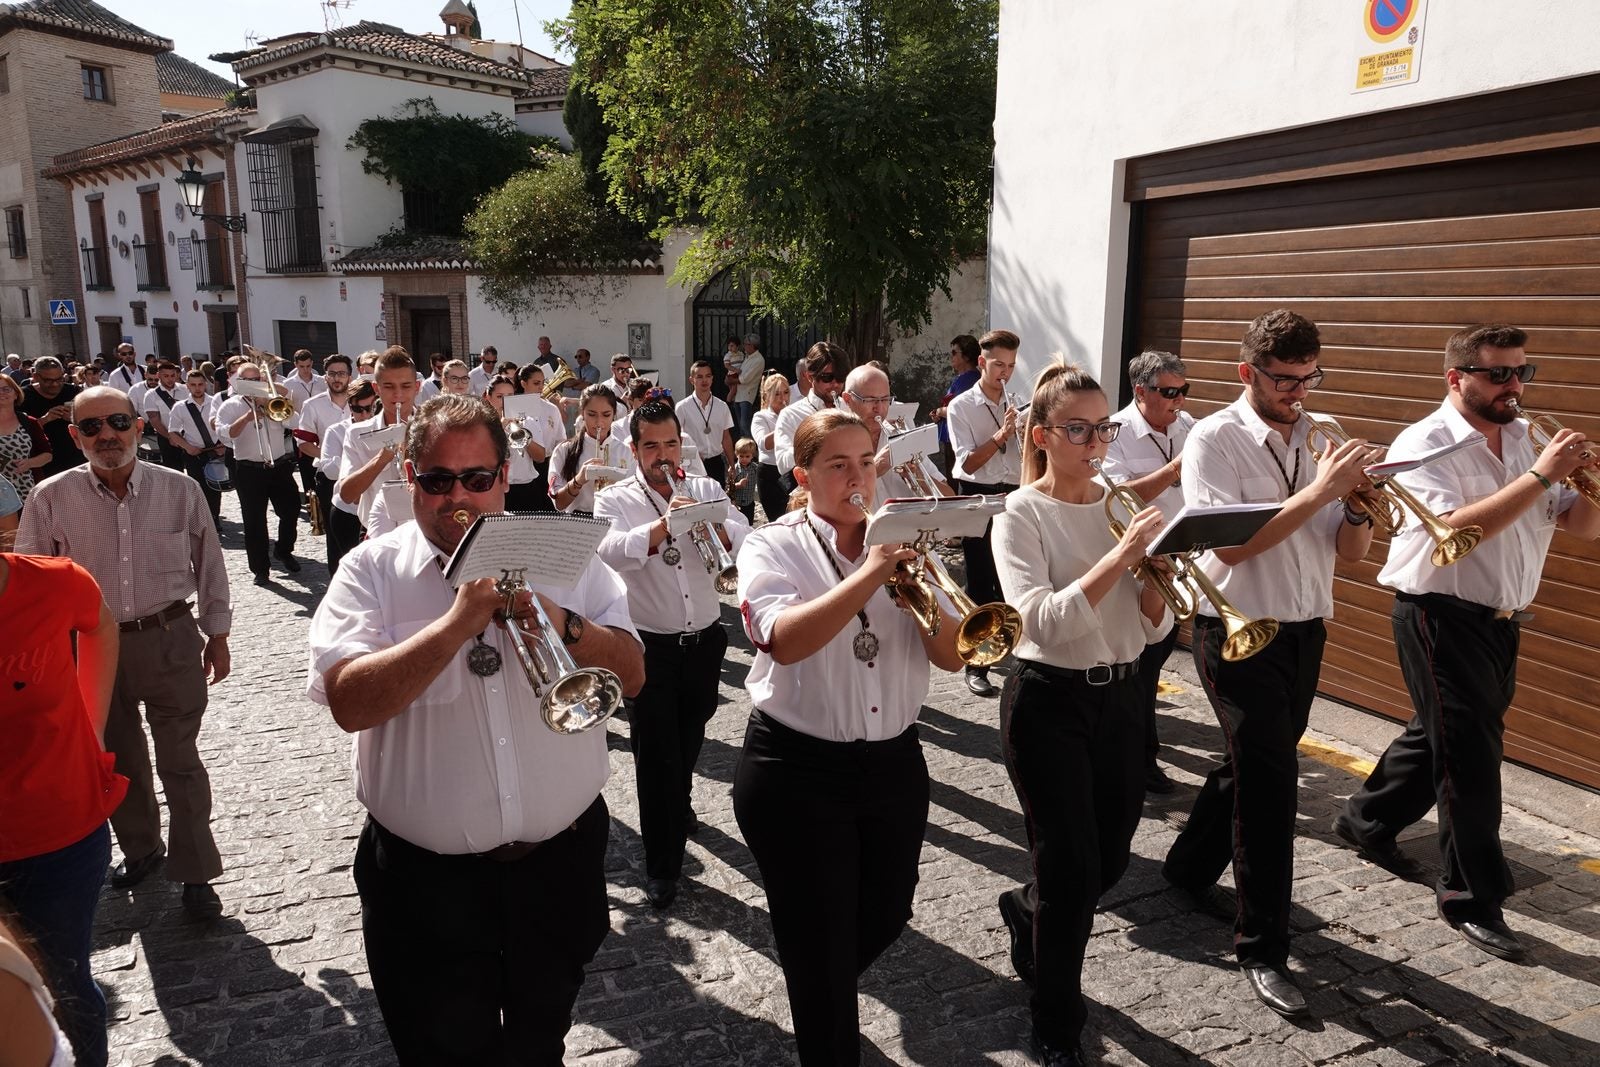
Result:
pixel 569 466
pixel 1054 387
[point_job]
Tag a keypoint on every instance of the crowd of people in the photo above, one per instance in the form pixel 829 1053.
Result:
pixel 480 867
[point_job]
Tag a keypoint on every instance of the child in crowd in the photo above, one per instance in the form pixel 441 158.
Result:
pixel 742 479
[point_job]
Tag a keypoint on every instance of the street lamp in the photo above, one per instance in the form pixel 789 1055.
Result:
pixel 192 184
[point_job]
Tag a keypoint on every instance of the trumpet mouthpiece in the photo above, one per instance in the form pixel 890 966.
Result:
pixel 463 516
pixel 859 501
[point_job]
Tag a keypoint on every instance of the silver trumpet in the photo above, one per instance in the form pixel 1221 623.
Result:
pixel 706 542
pixel 1016 405
pixel 573 698
pixel 517 435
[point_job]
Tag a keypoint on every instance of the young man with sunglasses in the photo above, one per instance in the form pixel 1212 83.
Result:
pixel 1457 628
pixel 145 534
pixel 481 867
pixel 1255 451
pixel 1147 457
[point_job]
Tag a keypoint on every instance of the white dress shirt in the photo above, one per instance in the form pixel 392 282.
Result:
pixel 794 391
pixel 1503 571
pixel 469 765
pixel 614 457
pixel 479 380
pixel 704 424
pixel 318 415
pixel 764 423
pixel 300 391
pixel 542 420
pixel 153 401
pixel 136 395
pixel 1141 448
pixel 1227 461
pixel 829 694
pixel 971 419
pixel 357 450
pixel 664 598
pixel 332 453
pixel 789 420
pixel 124 377
pixel 181 421
pixel 247 443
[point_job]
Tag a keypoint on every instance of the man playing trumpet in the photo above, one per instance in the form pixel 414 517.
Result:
pixel 866 393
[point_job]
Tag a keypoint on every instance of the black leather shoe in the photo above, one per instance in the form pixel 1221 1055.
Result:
pixel 1058 1055
pixel 1385 854
pixel 1021 942
pixel 661 892
pixel 201 901
pixel 691 823
pixel 1491 935
pixel 979 685
pixel 130 873
pixel 1156 781
pixel 263 579
pixel 290 564
pixel 1277 990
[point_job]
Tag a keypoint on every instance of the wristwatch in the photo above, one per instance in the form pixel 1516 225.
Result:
pixel 572 630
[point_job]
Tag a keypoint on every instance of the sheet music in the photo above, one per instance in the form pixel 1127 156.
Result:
pixel 522 407
pixel 396 496
pixel 552 549
pixel 390 436
pixel 680 519
pixel 921 441
pixel 900 521
pixel 903 411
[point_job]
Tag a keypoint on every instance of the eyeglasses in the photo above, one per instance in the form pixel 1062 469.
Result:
pixel 119 422
pixel 457 378
pixel 1172 392
pixel 1078 432
pixel 360 409
pixel 870 399
pixel 1287 383
pixel 57 380
pixel 1502 375
pixel 438 483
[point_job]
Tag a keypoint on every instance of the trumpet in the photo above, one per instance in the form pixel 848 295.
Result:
pixel 986 633
pixel 1185 583
pixel 517 435
pixel 705 540
pixel 1541 428
pixel 1451 544
pixel 1016 405
pixel 562 378
pixel 573 698
pixel 911 471
pixel 278 407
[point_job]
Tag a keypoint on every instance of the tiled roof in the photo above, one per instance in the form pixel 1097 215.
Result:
pixel 201 128
pixel 551 81
pixel 449 253
pixel 80 17
pixel 380 39
pixel 174 74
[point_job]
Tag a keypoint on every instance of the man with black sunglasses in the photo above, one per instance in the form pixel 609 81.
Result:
pixel 1457 628
pixel 1147 457
pixel 1255 451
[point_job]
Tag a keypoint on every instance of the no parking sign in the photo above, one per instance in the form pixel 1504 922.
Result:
pixel 1395 26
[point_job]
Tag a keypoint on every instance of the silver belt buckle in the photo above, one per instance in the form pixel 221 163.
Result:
pixel 1099 674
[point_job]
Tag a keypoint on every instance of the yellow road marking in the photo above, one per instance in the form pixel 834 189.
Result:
pixel 1166 688
pixel 1334 757
pixel 1592 866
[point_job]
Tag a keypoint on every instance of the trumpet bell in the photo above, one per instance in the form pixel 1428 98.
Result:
pixel 1454 547
pixel 562 378
pixel 581 701
pixel 988 634
pixel 1246 637
pixel 279 409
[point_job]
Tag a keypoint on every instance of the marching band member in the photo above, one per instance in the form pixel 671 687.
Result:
pixel 1071 717
pixel 675 608
pixel 763 428
pixel 866 392
pixel 523 490
pixel 589 446
pixel 823 370
pixel 366 463
pixel 831 791
pixel 264 466
pixel 708 421
pixel 344 529
pixel 1255 451
pixel 1147 457
pixel 1457 628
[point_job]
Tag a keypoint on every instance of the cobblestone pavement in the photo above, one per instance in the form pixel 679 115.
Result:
pixel 281 977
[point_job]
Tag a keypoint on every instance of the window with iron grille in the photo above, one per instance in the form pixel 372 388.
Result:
pixel 96 83
pixel 150 256
pixel 16 233
pixel 283 190
pixel 211 264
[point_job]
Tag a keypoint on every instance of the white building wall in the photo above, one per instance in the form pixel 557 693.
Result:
pixel 1085 87
pixel 545 123
pixel 354 305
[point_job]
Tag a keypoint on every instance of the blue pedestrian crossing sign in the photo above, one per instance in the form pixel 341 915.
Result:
pixel 63 313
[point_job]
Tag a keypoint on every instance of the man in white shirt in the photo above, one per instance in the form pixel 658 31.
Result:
pixel 369 456
pixel 263 473
pixel 318 415
pixel 1255 451
pixel 1147 457
pixel 485 372
pixel 984 429
pixel 481 867
pixel 824 366
pixel 192 425
pixel 434 382
pixel 708 422
pixel 1457 627
pixel 621 379
pixel 126 374
pixel 304 382
pixel 742 397
pixel 157 403
pixel 343 528
pixel 866 393
pixel 674 604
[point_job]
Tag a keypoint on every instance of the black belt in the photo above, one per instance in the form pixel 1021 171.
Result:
pixel 1099 674
pixel 1446 602
pixel 693 637
pixel 986 488
pixel 279 462
pixel 175 610
pixel 510 852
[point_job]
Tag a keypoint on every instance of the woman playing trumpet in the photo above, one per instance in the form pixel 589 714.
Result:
pixel 831 791
pixel 1071 718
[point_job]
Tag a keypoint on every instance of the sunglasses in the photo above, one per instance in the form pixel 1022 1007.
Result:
pixel 1078 432
pixel 119 422
pixel 1171 392
pixel 1502 375
pixel 438 483
pixel 1286 383
pixel 824 376
pixel 360 409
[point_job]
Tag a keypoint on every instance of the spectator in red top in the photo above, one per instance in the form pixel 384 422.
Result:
pixel 23 444
pixel 57 785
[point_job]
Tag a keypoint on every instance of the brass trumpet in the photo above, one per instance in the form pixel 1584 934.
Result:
pixel 1541 428
pixel 717 561
pixel 986 634
pixel 278 407
pixel 562 378
pixel 1186 583
pixel 1388 509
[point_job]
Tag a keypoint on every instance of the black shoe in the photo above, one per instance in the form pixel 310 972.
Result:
pixel 661 892
pixel 1057 1055
pixel 979 685
pixel 1385 854
pixel 1156 781
pixel 201 901
pixel 130 873
pixel 691 823
pixel 1274 987
pixel 263 579
pixel 1021 942
pixel 1491 935
pixel 290 564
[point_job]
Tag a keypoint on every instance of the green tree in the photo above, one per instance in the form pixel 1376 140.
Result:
pixel 837 153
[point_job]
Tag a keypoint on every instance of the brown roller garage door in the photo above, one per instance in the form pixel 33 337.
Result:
pixel 1389 260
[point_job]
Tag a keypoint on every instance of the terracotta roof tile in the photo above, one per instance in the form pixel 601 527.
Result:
pixel 551 81
pixel 174 74
pixel 380 39
pixel 83 17
pixel 450 253
pixel 196 129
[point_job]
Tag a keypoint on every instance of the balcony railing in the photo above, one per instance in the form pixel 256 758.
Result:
pixel 211 264
pixel 97 269
pixel 150 266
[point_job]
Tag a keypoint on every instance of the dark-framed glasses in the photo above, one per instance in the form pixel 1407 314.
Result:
pixel 1287 383
pixel 119 422
pixel 1501 375
pixel 1171 392
pixel 438 483
pixel 361 409
pixel 457 378
pixel 825 376
pixel 1079 432
pixel 871 399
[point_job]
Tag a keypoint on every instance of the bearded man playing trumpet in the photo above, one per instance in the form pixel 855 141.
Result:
pixel 1457 628
pixel 481 867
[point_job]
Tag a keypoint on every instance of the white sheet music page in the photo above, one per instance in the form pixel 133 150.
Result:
pixel 900 521
pixel 922 441
pixel 549 548
pixel 680 519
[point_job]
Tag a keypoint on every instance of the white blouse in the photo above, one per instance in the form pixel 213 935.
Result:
pixel 612 455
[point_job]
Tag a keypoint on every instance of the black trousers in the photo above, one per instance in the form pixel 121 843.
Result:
pixel 195 467
pixel 307 469
pixel 171 455
pixel 529 496
pixel 1460 666
pixel 475 961
pixel 1075 754
pixel 836 829
pixel 983 581
pixel 344 534
pixel 716 468
pixel 1245 811
pixel 769 488
pixel 258 485
pixel 667 726
pixel 1151 661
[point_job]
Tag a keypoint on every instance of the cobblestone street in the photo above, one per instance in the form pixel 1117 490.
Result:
pixel 281 977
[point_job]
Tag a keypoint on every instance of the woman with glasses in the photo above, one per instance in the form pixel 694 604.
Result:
pixel 455 379
pixel 1071 716
pixel 24 447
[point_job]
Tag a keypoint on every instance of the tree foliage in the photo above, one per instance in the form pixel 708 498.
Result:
pixel 837 152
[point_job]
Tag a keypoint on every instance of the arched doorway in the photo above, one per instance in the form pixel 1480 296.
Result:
pixel 722 310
